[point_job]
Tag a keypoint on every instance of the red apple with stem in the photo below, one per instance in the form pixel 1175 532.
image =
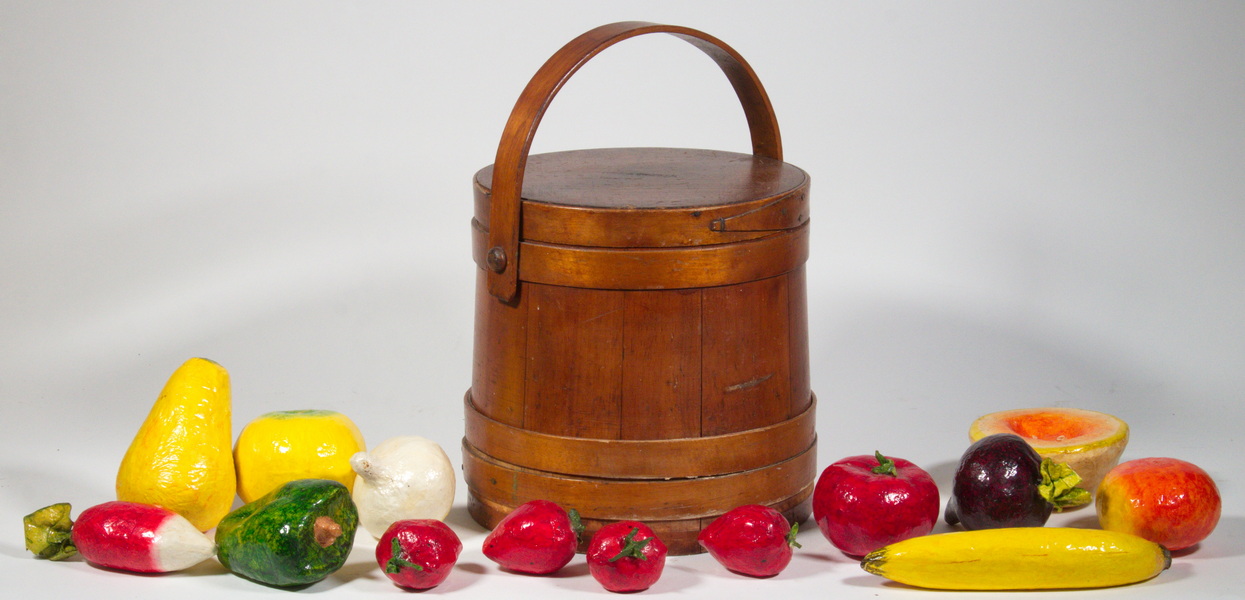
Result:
pixel 862 503
pixel 1165 500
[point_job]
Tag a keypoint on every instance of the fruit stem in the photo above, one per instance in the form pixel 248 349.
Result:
pixel 795 528
pixel 1058 486
pixel 875 561
pixel 397 562
pixel 631 547
pixel 363 465
pixel 577 525
pixel 326 531
pixel 885 466
pixel 47 532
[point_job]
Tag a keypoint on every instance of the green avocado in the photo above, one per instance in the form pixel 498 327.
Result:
pixel 296 535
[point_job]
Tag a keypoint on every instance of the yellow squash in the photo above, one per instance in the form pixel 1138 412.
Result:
pixel 279 447
pixel 180 459
pixel 1020 558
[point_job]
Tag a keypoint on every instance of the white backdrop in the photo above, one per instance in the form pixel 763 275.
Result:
pixel 1014 204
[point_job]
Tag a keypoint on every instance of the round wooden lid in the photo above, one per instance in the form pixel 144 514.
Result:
pixel 653 197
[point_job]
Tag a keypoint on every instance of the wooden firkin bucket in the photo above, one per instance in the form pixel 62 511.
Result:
pixel 641 343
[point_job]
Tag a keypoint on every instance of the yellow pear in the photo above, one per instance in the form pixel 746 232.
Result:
pixel 182 456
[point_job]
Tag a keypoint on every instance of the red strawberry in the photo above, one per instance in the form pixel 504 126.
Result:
pixel 418 553
pixel 626 557
pixel 752 540
pixel 537 538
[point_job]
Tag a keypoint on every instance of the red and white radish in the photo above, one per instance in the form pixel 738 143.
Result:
pixel 141 538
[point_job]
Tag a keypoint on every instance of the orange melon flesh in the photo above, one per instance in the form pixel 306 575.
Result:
pixel 1088 441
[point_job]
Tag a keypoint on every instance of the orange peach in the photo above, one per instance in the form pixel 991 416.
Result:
pixel 1164 500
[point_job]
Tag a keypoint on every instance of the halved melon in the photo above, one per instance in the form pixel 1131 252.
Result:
pixel 1090 442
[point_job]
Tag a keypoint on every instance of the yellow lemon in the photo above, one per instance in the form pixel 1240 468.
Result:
pixel 179 458
pixel 283 446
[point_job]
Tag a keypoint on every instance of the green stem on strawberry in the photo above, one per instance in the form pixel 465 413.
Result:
pixel 631 547
pixel 795 528
pixel 577 525
pixel 397 563
pixel 885 466
pixel 1058 486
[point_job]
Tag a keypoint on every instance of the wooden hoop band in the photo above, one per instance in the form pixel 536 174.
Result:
pixel 640 499
pixel 655 268
pixel 641 459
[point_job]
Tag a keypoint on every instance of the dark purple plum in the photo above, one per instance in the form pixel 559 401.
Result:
pixel 996 485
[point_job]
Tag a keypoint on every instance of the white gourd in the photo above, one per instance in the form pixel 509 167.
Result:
pixel 405 477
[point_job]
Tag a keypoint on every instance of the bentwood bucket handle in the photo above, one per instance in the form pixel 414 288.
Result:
pixel 502 257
